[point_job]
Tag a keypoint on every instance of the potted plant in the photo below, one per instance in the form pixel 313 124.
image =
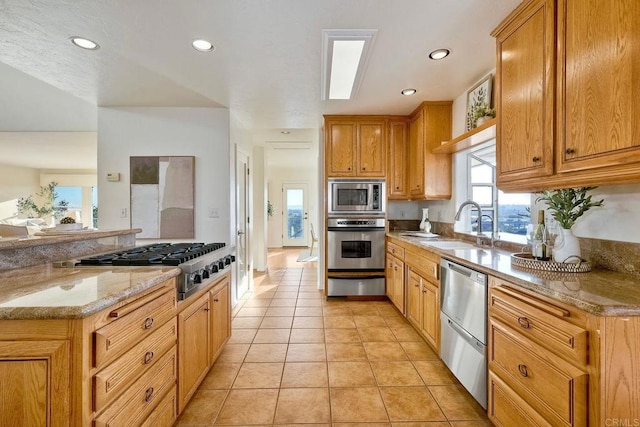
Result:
pixel 482 114
pixel 49 207
pixel 269 209
pixel 566 206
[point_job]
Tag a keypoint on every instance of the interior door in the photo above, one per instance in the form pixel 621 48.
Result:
pixel 295 214
pixel 242 219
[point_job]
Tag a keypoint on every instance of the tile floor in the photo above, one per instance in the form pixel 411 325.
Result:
pixel 296 358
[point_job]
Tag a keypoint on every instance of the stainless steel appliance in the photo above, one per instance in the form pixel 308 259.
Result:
pixel 200 263
pixel 463 338
pixel 355 245
pixel 356 197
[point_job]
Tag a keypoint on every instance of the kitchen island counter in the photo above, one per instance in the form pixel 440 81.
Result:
pixel 599 292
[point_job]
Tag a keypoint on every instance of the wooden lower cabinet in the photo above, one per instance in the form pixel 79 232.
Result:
pixel 395 282
pixel 220 300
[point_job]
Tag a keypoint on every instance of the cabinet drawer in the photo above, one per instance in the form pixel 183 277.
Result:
pixel 118 336
pixel 507 409
pixel 164 414
pixel 109 382
pixel 541 322
pixel 553 387
pixel 429 269
pixel 395 250
pixel 134 405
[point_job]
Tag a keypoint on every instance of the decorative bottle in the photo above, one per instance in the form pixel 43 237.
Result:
pixel 425 225
pixel 540 240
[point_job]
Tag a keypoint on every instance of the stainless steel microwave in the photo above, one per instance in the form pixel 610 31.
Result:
pixel 351 196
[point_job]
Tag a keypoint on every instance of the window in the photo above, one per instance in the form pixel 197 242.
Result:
pixel 506 214
pixel 82 205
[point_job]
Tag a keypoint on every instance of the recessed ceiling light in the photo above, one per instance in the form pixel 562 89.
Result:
pixel 285 132
pixel 439 54
pixel 408 92
pixel 84 43
pixel 202 45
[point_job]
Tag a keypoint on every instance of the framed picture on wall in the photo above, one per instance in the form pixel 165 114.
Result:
pixel 478 97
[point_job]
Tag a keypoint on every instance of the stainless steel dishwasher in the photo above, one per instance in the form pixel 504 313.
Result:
pixel 463 335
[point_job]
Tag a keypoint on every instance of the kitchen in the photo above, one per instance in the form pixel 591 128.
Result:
pixel 438 210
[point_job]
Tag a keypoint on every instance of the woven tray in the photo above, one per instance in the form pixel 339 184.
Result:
pixel 526 260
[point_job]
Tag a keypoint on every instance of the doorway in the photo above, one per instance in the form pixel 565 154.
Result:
pixel 242 224
pixel 295 214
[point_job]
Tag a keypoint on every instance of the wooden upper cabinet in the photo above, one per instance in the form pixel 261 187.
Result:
pixel 371 148
pixel 599 83
pixel 525 93
pixel 429 174
pixel 397 170
pixel 340 148
pixel 355 146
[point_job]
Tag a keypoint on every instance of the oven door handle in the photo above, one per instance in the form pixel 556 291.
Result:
pixel 371 276
pixel 357 229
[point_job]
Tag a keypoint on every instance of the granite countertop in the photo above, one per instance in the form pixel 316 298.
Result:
pixel 599 292
pixel 61 237
pixel 47 292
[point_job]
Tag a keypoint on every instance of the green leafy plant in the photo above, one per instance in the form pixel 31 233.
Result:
pixel 269 209
pixel 569 204
pixel 47 195
pixel 483 110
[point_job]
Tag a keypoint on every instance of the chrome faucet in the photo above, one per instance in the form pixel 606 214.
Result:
pixel 477 206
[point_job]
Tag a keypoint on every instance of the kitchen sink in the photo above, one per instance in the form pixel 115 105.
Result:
pixel 448 244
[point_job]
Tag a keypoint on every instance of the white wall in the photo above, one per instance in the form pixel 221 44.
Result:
pixel 16 182
pixel 259 209
pixel 199 132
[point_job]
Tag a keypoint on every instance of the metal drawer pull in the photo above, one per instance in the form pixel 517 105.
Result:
pixel 148 394
pixel 536 159
pixel 523 370
pixel 148 356
pixel 216 300
pixel 524 322
pixel 148 323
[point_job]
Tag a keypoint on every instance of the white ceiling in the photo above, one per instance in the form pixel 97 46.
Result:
pixel 266 67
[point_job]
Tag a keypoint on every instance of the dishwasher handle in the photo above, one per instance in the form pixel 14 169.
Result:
pixel 465 271
pixel 475 343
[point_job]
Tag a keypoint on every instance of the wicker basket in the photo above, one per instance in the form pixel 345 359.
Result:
pixel 526 260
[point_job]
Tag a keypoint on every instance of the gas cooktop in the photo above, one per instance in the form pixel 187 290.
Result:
pixel 173 254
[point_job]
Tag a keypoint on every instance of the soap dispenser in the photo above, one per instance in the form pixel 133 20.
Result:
pixel 425 225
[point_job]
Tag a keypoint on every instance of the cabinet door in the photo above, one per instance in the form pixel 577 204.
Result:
pixel 341 148
pixel 221 318
pixel 397 167
pixel 598 83
pixel 390 288
pixel 431 313
pixel 398 284
pixel 371 148
pixel 525 94
pixel 416 155
pixel 194 339
pixel 414 296
pixel 34 383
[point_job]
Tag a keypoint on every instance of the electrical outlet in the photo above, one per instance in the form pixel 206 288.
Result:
pixel 123 212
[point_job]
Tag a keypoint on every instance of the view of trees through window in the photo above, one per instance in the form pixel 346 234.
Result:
pixel 295 213
pixel 74 195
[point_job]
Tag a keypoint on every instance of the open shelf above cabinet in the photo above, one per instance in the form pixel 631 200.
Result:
pixel 476 136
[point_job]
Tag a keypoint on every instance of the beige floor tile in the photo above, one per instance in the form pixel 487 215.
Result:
pixel 406 333
pixel 259 375
pixel 264 295
pixel 246 322
pixel 337 310
pixel 411 404
pixel 379 334
pixel 456 403
pixel 272 336
pixel 309 295
pixel 387 310
pixel 361 425
pixel 305 374
pixel 434 372
pixel 242 336
pixel 384 351
pixel 250 406
pixel 303 405
pixel 203 408
pixel 339 322
pixel 419 351
pixel 267 353
pixel 308 322
pixel 233 353
pixel 471 424
pixel 301 336
pixel 309 303
pixel 285 295
pixel 257 303
pixel 397 321
pixel 288 287
pixel 284 302
pixel 369 321
pixel 350 374
pixel 280 311
pixel 221 376
pixel 422 424
pixel 396 373
pixel 364 309
pixel 252 312
pixel 306 353
pixel 276 322
pixel 345 352
pixel 309 311
pixel 342 335
pixel 360 404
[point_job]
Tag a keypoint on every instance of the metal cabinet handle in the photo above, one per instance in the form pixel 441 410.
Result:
pixel 524 322
pixel 536 159
pixel 570 151
pixel 148 394
pixel 216 300
pixel 148 357
pixel 523 370
pixel 207 309
pixel 148 323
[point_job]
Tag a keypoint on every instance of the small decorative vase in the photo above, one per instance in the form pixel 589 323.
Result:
pixel 567 247
pixel 425 225
pixel 482 120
